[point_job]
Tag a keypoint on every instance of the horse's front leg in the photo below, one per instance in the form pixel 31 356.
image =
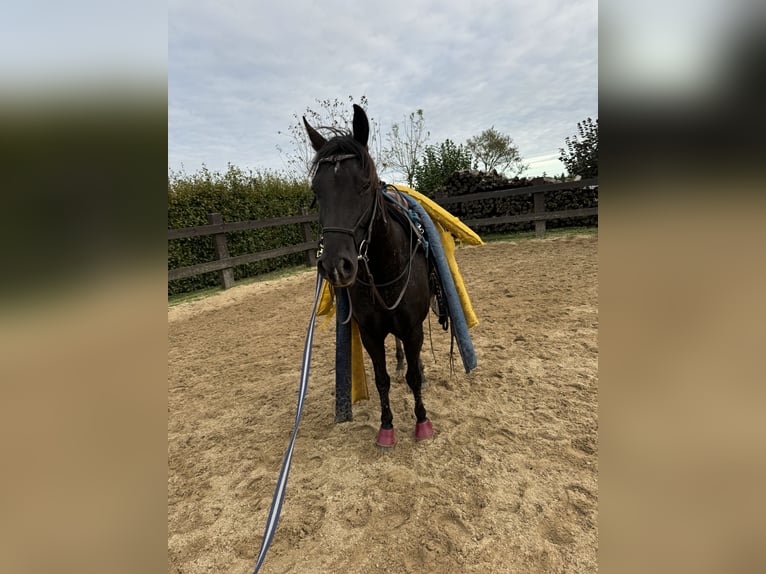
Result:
pixel 412 346
pixel 375 346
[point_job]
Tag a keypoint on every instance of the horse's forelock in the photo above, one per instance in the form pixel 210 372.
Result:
pixel 344 143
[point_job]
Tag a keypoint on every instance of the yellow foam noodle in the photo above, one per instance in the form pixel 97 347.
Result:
pixel 359 391
pixel 448 225
pixel 326 305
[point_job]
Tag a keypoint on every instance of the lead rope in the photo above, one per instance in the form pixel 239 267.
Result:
pixel 279 492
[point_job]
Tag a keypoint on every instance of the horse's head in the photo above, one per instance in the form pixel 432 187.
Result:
pixel 346 188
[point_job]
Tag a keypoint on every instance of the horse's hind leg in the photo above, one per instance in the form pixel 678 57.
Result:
pixel 400 363
pixel 399 356
pixel 377 351
pixel 414 376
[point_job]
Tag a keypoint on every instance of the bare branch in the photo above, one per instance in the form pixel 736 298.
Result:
pixel 406 142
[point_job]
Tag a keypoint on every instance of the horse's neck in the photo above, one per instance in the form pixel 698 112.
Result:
pixel 389 246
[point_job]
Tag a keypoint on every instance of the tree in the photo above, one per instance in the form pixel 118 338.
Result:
pixel 334 115
pixel 438 164
pixel 581 155
pixel 405 144
pixel 493 150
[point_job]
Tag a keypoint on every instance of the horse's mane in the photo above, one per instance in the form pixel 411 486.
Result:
pixel 344 143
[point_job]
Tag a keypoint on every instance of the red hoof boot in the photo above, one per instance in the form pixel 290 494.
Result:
pixel 386 439
pixel 424 430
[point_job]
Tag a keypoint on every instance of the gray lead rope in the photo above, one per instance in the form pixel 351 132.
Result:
pixel 279 492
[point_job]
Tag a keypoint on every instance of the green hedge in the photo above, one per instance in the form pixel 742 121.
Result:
pixel 240 196
pixel 237 196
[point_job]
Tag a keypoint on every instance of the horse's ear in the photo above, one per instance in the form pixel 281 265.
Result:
pixel 361 126
pixel 317 141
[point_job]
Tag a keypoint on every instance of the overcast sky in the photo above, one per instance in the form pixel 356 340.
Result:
pixel 239 69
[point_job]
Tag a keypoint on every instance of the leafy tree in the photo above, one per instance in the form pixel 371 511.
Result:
pixel 439 163
pixel 581 155
pixel 405 144
pixel 493 150
pixel 333 114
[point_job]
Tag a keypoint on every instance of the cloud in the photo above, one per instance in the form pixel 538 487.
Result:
pixel 239 71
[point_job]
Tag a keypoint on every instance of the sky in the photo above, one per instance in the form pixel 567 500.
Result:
pixel 239 70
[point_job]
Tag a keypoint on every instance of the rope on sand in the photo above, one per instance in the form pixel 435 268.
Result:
pixel 279 492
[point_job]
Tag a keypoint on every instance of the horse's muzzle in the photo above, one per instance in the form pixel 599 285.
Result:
pixel 339 271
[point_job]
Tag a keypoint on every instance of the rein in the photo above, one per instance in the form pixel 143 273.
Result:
pixel 408 270
pixel 279 491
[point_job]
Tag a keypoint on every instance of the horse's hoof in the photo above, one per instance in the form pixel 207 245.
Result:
pixel 386 439
pixel 424 430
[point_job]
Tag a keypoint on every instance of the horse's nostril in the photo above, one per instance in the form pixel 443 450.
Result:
pixel 347 267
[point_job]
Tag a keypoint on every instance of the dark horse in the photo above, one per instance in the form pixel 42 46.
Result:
pixel 369 248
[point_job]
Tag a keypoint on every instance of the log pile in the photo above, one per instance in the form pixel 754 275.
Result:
pixel 465 183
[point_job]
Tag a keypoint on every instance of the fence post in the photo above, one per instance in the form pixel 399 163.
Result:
pixel 311 254
pixel 539 207
pixel 221 250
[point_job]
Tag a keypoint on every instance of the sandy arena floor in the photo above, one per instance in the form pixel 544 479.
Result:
pixel 508 484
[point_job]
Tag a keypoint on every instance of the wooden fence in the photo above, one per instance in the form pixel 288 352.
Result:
pixel 225 264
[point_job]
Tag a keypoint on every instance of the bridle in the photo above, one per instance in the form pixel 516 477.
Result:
pixel 365 243
pixel 352 231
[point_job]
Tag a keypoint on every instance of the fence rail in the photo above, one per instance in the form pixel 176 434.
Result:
pixel 225 264
pixel 511 191
pixel 212 229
